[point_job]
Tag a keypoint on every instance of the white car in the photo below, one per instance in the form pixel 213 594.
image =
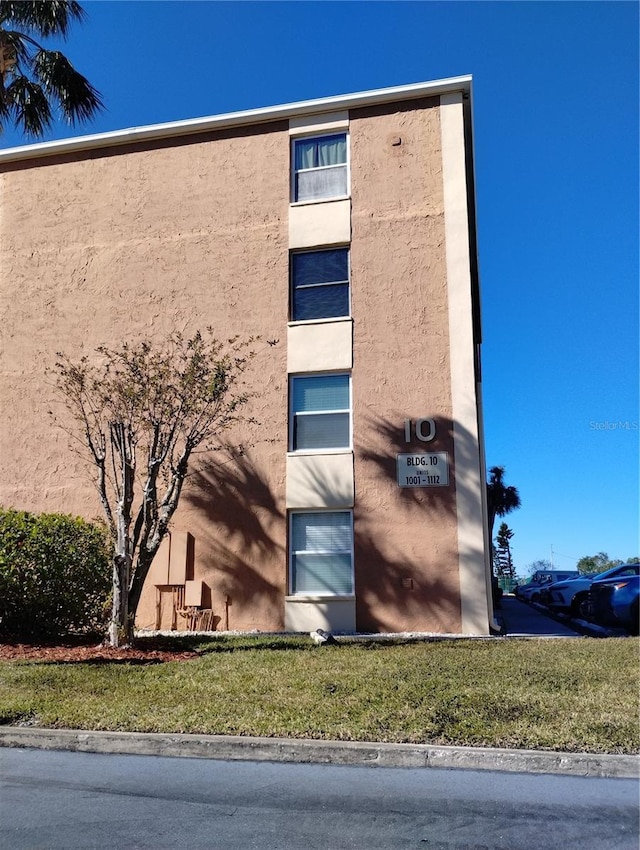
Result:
pixel 541 580
pixel 572 595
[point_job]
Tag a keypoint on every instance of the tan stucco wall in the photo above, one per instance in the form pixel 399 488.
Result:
pixel 139 242
pixel 324 223
pixel 405 539
pixel 182 234
pixel 320 346
pixel 320 480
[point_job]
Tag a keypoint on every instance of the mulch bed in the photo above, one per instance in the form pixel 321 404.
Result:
pixel 77 651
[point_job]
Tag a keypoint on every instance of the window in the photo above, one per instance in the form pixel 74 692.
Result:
pixel 320 284
pixel 320 167
pixel 321 412
pixel 321 547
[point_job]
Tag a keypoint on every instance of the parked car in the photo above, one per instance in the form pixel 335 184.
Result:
pixel 614 602
pixel 540 581
pixel 572 595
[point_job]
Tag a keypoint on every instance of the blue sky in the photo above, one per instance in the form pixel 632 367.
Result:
pixel 556 107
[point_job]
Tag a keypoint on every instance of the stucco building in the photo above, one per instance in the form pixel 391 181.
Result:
pixel 345 228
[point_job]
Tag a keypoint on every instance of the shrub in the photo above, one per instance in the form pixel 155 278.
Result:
pixel 55 575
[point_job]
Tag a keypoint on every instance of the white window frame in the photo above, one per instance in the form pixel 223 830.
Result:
pixel 293 414
pixel 294 172
pixel 292 288
pixel 324 593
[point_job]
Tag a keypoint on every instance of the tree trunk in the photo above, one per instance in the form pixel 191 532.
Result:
pixel 121 626
pixel 119 631
pixel 136 583
pixel 123 447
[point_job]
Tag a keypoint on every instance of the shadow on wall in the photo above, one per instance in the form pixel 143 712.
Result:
pixel 418 582
pixel 242 530
pixel 401 584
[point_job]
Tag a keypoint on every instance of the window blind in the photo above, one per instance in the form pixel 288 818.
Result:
pixel 321 546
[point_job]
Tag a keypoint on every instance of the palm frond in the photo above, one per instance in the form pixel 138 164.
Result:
pixel 13 50
pixel 5 109
pixel 78 99
pixel 33 79
pixel 29 106
pixel 45 17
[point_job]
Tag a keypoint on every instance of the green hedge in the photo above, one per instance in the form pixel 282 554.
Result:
pixel 55 575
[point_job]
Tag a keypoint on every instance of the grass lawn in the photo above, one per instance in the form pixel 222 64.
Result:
pixel 574 695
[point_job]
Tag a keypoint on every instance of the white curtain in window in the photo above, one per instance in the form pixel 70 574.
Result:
pixel 332 150
pixel 305 153
pixel 321 152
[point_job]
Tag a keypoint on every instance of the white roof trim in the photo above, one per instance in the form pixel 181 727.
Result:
pixel 236 119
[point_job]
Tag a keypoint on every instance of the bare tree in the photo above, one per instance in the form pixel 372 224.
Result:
pixel 540 564
pixel 140 413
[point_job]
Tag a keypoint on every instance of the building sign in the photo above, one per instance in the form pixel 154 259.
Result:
pixel 423 469
pixel 424 430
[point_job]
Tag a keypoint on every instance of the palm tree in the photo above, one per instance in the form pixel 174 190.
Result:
pixel 33 79
pixel 501 500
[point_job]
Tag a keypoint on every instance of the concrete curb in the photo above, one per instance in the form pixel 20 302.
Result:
pixel 228 747
pixel 583 627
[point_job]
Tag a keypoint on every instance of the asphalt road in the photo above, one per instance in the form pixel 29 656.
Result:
pixel 522 620
pixel 51 800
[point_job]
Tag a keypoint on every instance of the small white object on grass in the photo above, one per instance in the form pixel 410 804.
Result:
pixel 322 638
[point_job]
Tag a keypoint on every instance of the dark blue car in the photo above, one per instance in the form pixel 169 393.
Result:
pixel 614 602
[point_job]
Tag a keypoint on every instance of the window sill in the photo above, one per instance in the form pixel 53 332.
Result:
pixel 328 321
pixel 319 201
pixel 316 452
pixel 321 597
